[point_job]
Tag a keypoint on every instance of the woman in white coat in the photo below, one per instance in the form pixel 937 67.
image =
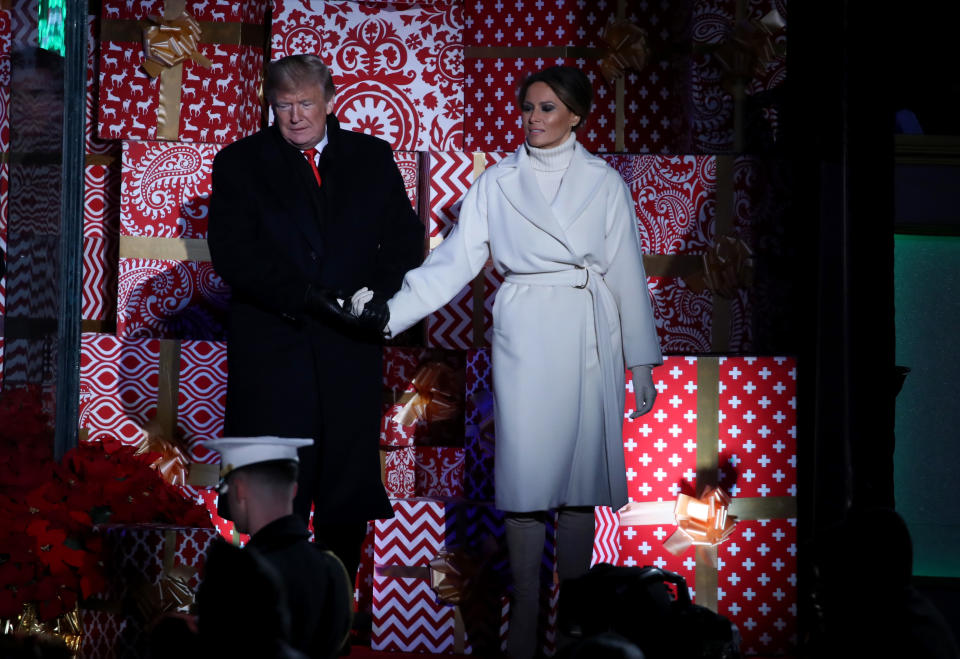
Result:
pixel 572 312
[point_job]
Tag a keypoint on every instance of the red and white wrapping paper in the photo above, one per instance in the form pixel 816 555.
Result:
pixel 709 103
pixel 478 418
pixel 5 48
pixel 165 198
pixel 138 554
pixel 400 366
pixel 119 389
pixel 451 175
pixel 675 201
pixel 653 122
pixel 407 616
pixel 423 471
pixel 756 460
pixel 398 67
pixel 217 104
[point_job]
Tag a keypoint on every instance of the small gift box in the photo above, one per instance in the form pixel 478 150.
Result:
pixel 153 570
pixel 727 422
pixel 181 70
pixel 408 87
pixel 423 397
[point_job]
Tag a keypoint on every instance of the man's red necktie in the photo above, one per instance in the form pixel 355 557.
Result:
pixel 311 155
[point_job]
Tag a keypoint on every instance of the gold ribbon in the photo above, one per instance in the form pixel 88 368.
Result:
pixel 66 627
pixel 161 434
pixel 628 48
pixel 436 395
pixel 708 457
pixel 171 593
pixel 170 249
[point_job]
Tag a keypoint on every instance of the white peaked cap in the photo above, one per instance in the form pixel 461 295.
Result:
pixel 236 452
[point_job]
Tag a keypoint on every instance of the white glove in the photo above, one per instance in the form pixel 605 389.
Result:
pixel 643 390
pixel 359 300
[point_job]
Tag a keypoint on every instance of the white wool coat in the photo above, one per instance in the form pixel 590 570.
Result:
pixel 572 312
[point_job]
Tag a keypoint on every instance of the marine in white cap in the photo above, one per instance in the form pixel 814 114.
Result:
pixel 258 480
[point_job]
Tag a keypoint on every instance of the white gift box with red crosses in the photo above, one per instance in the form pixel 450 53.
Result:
pixel 757 582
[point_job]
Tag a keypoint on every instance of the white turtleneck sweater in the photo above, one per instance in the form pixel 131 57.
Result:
pixel 550 165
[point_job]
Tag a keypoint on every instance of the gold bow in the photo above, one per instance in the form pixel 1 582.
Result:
pixel 438 395
pixel 169 42
pixel 703 521
pixel 173 463
pixel 751 45
pixel 727 267
pixel 627 48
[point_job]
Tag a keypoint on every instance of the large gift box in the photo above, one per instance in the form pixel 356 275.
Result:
pixel 398 68
pixel 640 112
pixel 162 395
pixel 181 69
pixel 153 570
pixel 727 422
pixel 423 397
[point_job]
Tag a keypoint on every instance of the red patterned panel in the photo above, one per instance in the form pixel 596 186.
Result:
pixel 758 425
pixel 93 143
pixel 452 325
pixel 99 293
pixel 758 585
pixel 399 472
pixel 660 447
pixel 606 536
pixel 439 471
pixel 409 165
pixel 118 386
pixel 203 393
pixel 398 70
pixel 101 201
pixel 5 48
pixel 170 299
pixel 166 189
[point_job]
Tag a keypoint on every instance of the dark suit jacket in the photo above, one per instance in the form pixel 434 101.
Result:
pixel 272 233
pixel 318 592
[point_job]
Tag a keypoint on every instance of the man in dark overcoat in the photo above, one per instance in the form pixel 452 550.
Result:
pixel 299 212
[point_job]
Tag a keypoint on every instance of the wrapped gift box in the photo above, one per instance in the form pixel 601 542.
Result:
pixel 509 40
pixel 209 97
pixel 685 207
pixel 423 397
pixel 152 568
pixel 93 143
pixel 467 320
pixel 407 615
pixel 729 421
pixel 711 102
pixel 176 389
pixel 398 69
pixel 422 471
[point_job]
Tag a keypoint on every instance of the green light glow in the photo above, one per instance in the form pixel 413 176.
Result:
pixel 50 28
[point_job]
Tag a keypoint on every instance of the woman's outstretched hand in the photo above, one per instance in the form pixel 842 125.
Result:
pixel 644 391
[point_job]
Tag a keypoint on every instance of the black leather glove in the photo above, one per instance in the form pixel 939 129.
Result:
pixel 322 303
pixel 375 315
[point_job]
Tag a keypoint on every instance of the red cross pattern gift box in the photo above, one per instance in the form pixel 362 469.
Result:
pixel 184 70
pixel 154 569
pixel 727 422
pixel 398 67
pixel 625 49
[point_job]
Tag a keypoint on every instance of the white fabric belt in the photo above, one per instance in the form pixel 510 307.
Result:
pixel 611 373
pixel 575 277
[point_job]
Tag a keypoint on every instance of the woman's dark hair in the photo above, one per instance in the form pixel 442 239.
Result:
pixel 569 84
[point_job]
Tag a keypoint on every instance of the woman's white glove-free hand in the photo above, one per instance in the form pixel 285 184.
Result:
pixel 643 390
